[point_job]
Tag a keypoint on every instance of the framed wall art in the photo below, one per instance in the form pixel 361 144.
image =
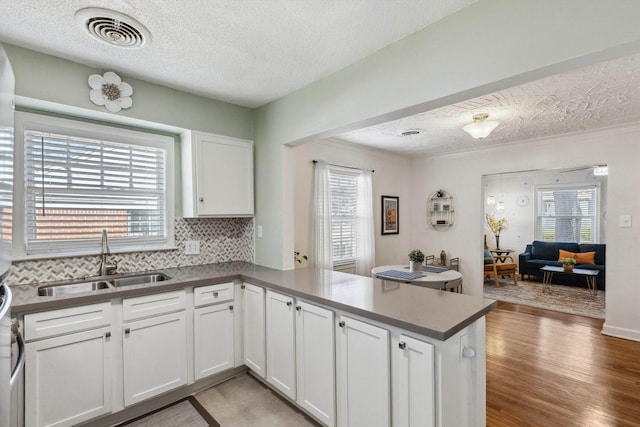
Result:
pixel 390 215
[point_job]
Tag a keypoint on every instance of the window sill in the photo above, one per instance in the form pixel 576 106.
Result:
pixel 115 251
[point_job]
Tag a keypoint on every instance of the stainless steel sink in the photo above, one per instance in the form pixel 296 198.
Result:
pixel 103 282
pixel 72 288
pixel 139 279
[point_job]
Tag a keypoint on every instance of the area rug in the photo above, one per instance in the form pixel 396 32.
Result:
pixel 566 299
pixel 185 412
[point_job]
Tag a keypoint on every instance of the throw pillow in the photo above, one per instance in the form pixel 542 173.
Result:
pixel 586 258
pixel 566 254
pixel 488 255
pixel 580 257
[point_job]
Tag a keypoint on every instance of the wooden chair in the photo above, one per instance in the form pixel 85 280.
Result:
pixel 493 267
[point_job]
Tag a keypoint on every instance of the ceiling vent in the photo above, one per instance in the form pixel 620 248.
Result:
pixel 112 27
pixel 411 132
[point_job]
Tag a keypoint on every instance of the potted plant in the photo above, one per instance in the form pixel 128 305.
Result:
pixel 496 226
pixel 568 264
pixel 416 258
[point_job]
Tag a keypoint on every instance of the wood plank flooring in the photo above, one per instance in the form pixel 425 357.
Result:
pixel 546 368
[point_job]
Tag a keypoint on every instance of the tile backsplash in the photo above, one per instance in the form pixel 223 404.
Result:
pixel 221 240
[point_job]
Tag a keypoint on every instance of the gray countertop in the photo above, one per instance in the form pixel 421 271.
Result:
pixel 433 313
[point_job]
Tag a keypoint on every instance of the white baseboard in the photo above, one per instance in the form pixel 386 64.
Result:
pixel 614 331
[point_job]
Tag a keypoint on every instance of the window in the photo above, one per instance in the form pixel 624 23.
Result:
pixel 80 178
pixel 568 214
pixel 343 186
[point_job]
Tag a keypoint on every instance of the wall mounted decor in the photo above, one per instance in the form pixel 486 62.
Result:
pixel 109 90
pixel 390 215
pixel 440 210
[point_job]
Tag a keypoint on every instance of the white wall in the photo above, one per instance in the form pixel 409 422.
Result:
pixel 462 176
pixel 391 178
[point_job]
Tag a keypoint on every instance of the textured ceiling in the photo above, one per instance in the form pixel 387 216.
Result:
pixel 599 95
pixel 246 52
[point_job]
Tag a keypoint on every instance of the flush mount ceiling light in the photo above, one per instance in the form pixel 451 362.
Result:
pixel 481 127
pixel 113 27
pixel 411 132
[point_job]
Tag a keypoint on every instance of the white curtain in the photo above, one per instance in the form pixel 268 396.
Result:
pixel 365 239
pixel 322 249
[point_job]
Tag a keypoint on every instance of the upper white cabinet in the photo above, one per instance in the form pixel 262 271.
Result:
pixel 217 175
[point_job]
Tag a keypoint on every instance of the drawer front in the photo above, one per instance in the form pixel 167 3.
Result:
pixel 212 294
pixel 66 320
pixel 153 305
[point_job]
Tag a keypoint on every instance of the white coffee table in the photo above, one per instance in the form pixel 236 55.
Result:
pixel 448 279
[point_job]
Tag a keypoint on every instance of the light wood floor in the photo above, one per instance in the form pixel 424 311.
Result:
pixel 546 368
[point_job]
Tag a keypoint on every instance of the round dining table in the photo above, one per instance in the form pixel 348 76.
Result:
pixel 432 277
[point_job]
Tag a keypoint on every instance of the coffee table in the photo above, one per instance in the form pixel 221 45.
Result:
pixel 549 270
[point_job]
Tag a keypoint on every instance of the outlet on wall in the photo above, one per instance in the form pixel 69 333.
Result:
pixel 192 247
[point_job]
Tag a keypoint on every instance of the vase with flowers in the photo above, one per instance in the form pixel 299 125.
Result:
pixel 496 226
pixel 568 263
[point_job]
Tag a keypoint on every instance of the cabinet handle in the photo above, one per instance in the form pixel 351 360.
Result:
pixel 402 345
pixel 127 331
pixel 298 307
pixel 289 303
pixel 215 295
pixel 107 334
pixel 341 324
pixel 231 307
pixel 201 199
pixel 242 286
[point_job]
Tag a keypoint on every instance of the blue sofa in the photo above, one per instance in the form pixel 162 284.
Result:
pixel 538 254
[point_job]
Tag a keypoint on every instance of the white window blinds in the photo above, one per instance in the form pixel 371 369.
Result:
pixel 76 186
pixel 567 214
pixel 343 186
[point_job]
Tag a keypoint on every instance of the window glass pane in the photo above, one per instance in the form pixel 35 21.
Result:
pixel 343 186
pixel 567 214
pixel 77 186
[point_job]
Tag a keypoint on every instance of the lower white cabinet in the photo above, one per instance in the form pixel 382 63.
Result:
pixel 413 382
pixel 281 344
pixel 154 348
pixel 363 378
pixel 68 377
pixel 253 328
pixel 315 361
pixel 213 339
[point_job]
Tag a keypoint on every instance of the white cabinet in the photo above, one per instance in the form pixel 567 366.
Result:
pixel 281 348
pixel 363 378
pixel 68 370
pixel 217 175
pixel 301 354
pixel 315 361
pixel 253 328
pixel 413 382
pixel 154 347
pixel 213 328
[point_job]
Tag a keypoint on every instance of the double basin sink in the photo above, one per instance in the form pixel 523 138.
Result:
pixel 100 283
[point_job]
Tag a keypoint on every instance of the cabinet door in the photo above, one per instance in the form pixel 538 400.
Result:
pixel 413 383
pixel 68 378
pixel 315 361
pixel 213 339
pixel 281 357
pixel 155 356
pixel 253 328
pixel 217 175
pixel 363 374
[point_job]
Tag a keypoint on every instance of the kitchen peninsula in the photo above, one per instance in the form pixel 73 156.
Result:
pixel 357 339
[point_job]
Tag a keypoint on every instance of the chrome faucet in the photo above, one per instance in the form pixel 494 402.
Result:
pixel 106 269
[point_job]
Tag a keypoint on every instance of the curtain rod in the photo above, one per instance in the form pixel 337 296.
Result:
pixel 346 167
